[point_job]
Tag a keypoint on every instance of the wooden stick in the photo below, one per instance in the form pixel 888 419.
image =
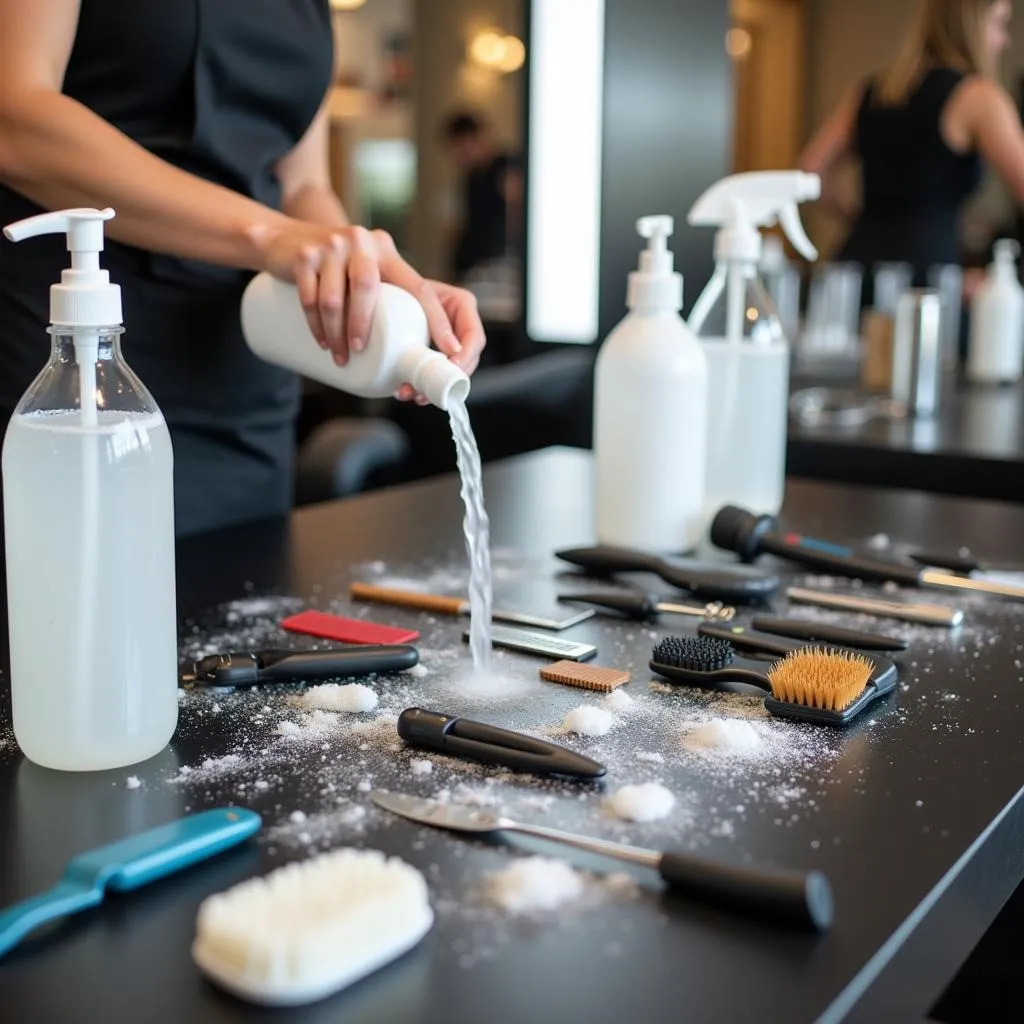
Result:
pixel 408 599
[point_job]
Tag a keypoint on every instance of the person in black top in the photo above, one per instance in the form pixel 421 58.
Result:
pixel 921 130
pixel 491 193
pixel 204 124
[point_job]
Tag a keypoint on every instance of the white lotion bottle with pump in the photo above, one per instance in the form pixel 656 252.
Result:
pixel 996 349
pixel 650 415
pixel 741 334
pixel 397 351
pixel 89 524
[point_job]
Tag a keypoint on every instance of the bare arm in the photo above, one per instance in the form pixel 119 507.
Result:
pixel 59 153
pixel 304 174
pixel 983 115
pixel 830 144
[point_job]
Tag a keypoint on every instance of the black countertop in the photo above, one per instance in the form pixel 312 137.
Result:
pixel 974 446
pixel 914 814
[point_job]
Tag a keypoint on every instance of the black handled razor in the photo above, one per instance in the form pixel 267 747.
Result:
pixel 250 668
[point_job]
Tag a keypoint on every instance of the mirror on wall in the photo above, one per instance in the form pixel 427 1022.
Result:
pixel 427 137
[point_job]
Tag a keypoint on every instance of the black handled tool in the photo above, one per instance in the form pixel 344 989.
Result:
pixel 450 734
pixel 787 898
pixel 250 668
pixel 749 535
pixel 648 607
pixel 734 584
pixel 826 633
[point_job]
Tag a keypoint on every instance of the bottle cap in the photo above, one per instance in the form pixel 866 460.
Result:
pixel 85 297
pixel 655 285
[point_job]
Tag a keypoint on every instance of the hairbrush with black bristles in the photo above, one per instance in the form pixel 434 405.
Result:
pixel 821 685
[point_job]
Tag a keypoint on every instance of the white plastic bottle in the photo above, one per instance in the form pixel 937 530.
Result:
pixel 397 352
pixel 89 524
pixel 650 414
pixel 996 348
pixel 743 339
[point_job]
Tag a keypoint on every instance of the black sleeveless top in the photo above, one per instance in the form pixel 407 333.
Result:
pixel 914 184
pixel 222 89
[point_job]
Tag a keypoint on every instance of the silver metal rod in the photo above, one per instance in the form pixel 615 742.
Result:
pixel 928 614
pixel 632 854
pixel 936 578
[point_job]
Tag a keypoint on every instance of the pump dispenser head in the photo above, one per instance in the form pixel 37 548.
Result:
pixel 85 297
pixel 1004 257
pixel 655 285
pixel 742 203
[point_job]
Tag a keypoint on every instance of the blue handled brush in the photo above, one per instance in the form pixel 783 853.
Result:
pixel 128 864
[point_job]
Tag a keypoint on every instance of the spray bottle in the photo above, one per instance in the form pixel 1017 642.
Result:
pixel 89 532
pixel 740 332
pixel 650 415
pixel 397 352
pixel 997 321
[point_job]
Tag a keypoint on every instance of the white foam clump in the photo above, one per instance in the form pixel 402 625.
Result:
pixel 534 884
pixel 619 700
pixel 133 782
pixel 353 698
pixel 421 766
pixel 589 721
pixel 726 735
pixel 648 801
pixel 312 927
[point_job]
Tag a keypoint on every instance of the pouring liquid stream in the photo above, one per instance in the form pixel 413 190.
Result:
pixel 476 528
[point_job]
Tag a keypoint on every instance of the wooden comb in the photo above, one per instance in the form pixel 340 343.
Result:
pixel 586 677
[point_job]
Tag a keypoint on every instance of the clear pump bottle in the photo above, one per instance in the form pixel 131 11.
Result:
pixel 89 525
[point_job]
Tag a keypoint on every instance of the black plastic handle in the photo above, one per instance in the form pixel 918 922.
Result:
pixel 292 666
pixel 748 640
pixel 823 632
pixel 965 564
pixel 732 584
pixel 641 607
pixel 736 529
pixel 793 899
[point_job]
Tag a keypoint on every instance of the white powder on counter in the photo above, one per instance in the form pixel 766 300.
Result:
pixel 648 801
pixel 534 884
pixel 133 782
pixel 619 700
pixel 652 756
pixel 352 698
pixel 421 766
pixel 589 721
pixel 727 736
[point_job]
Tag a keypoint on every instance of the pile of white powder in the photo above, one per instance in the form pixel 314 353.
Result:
pixel 647 801
pixel 353 698
pixel 589 721
pixel 534 884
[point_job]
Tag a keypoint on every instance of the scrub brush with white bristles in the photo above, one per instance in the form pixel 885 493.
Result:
pixel 311 928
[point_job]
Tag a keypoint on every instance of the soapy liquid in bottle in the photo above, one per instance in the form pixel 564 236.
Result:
pixel 87 695
pixel 476 528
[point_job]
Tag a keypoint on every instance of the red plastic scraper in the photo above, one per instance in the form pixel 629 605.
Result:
pixel 346 631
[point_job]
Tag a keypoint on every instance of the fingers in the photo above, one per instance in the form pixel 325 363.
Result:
pixel 395 270
pixel 308 285
pixel 331 296
pixel 461 307
pixel 363 288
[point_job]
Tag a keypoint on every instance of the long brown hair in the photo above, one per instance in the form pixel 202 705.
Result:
pixel 945 33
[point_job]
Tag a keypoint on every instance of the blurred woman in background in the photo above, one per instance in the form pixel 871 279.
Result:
pixel 921 130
